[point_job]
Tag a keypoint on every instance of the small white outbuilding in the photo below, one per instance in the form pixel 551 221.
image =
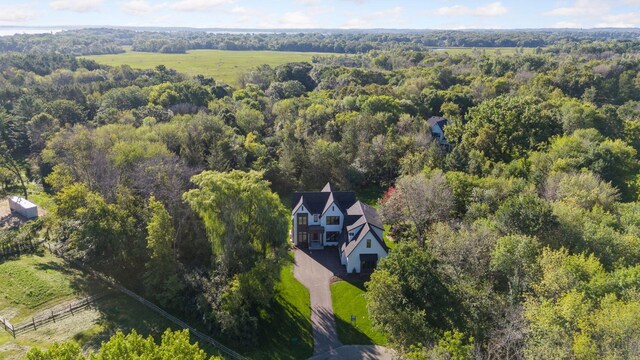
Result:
pixel 23 207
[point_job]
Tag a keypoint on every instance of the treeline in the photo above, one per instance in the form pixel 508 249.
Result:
pixel 110 41
pixel 519 241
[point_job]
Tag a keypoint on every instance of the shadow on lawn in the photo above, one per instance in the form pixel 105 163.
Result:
pixel 285 333
pixel 348 330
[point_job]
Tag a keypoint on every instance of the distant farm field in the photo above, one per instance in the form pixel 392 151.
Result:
pixel 220 64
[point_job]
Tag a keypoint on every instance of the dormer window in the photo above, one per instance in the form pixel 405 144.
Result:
pixel 316 217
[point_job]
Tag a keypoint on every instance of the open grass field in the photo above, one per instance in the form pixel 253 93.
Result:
pixel 348 299
pixel 40 281
pixel 220 64
pixel 285 330
pixel 32 283
pixel 487 50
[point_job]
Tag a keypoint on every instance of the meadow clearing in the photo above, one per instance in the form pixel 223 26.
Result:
pixel 224 65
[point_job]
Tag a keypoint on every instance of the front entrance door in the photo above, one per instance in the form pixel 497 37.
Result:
pixel 316 239
pixel 303 239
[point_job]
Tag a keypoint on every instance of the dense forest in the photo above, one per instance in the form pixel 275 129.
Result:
pixel 111 41
pixel 521 240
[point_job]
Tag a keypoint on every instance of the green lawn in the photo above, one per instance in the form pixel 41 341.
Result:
pixel 39 281
pixel 33 283
pixel 220 64
pixel 348 299
pixel 285 330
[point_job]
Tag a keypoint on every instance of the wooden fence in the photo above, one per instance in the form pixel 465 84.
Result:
pixel 7 326
pixel 111 282
pixel 51 315
pixel 18 249
pixel 57 313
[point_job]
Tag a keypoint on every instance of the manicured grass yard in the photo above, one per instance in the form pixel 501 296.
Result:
pixel 348 299
pixel 285 330
pixel 222 65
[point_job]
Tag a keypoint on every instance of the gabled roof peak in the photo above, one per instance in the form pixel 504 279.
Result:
pixel 327 188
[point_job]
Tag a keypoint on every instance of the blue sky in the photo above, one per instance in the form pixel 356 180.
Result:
pixel 433 14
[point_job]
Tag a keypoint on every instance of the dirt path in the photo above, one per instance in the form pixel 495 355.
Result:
pixel 316 277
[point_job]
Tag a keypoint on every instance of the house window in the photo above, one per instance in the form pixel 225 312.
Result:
pixel 302 219
pixel 332 236
pixel 316 217
pixel 302 237
pixel 368 243
pixel 333 220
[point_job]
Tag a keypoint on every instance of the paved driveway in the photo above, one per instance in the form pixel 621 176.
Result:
pixel 314 270
pixel 350 352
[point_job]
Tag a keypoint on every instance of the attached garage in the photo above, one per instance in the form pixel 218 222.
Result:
pixel 23 207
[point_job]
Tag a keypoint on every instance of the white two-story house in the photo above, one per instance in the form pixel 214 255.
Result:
pixel 437 125
pixel 336 218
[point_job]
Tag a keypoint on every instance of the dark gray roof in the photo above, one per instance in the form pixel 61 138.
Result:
pixel 318 202
pixel 368 215
pixel 437 120
pixel 313 201
pixel 351 219
pixel 330 201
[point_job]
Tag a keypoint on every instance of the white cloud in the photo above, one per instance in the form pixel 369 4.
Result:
pixel 199 5
pixel 454 10
pixel 292 20
pixel 493 9
pixel 626 20
pixel 567 25
pixel 489 10
pixel 297 19
pixel 392 18
pixel 394 12
pixel 16 14
pixel 582 8
pixel 76 5
pixel 141 7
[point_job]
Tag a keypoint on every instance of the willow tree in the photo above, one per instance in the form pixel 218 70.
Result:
pixel 161 278
pixel 244 219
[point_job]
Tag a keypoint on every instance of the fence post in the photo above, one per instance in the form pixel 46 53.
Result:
pixel 33 320
pixel 53 316
pixel 70 309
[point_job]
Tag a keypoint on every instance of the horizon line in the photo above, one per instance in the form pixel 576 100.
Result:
pixel 302 29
